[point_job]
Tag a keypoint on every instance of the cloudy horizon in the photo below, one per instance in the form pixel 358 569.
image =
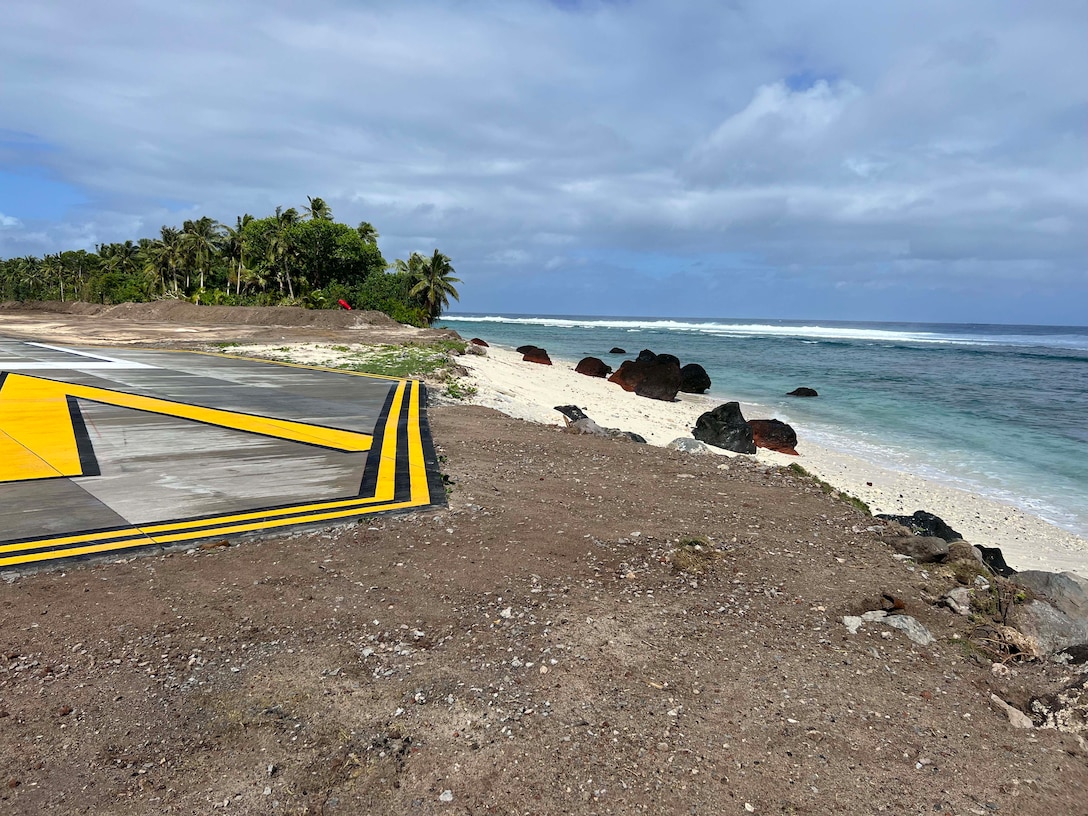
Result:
pixel 916 161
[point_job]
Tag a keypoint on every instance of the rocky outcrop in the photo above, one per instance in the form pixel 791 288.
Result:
pixel 593 367
pixel 774 434
pixel 925 524
pixel 537 355
pixel 1065 591
pixel 656 378
pixel 803 392
pixel 923 549
pixel 476 341
pixel 725 427
pixel 1051 629
pixel 617 350
pixel 694 379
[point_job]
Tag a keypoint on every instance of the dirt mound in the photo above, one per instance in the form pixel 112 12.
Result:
pixel 180 311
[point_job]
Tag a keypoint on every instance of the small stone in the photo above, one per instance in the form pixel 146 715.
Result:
pixel 446 796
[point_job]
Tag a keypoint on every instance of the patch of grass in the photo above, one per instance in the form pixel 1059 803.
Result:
pixel 831 490
pixel 402 361
pixel 695 556
pixel 340 348
pixel 225 345
pixel 458 389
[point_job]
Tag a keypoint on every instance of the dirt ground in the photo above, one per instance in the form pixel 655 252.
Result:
pixel 532 649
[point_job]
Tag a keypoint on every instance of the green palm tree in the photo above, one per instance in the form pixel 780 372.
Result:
pixel 203 238
pixel 317 209
pixel 367 232
pixel 234 246
pixel 434 284
pixel 53 271
pixel 280 248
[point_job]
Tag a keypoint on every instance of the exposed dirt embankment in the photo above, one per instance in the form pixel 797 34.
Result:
pixel 179 323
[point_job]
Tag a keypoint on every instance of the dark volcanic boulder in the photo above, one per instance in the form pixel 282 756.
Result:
pixel 774 434
pixel 925 524
pixel 803 392
pixel 617 350
pixel 659 379
pixel 524 349
pixel 645 356
pixel 694 379
pixel 476 341
pixel 994 559
pixel 593 367
pixel 537 355
pixel 725 427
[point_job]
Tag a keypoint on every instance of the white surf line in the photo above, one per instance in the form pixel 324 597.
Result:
pixel 101 362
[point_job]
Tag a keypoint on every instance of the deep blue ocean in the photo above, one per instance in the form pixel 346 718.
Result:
pixel 998 410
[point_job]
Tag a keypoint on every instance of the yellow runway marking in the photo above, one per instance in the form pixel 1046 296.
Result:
pixel 38 436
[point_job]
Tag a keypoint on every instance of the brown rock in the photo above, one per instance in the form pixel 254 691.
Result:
pixel 476 341
pixel 658 378
pixel 774 434
pixel 537 355
pixel 593 367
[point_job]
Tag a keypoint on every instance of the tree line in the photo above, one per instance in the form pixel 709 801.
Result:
pixel 287 259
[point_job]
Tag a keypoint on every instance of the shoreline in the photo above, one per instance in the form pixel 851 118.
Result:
pixel 531 391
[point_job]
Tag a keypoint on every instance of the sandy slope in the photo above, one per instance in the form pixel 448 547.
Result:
pixel 530 391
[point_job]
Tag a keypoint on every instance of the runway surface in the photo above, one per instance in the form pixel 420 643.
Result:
pixel 107 451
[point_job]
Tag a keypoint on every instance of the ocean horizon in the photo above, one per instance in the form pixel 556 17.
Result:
pixel 994 409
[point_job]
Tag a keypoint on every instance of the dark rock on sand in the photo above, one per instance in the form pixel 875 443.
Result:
pixel 993 558
pixel 774 434
pixel 803 392
pixel 524 349
pixel 645 356
pixel 537 355
pixel 656 379
pixel 593 367
pixel 725 427
pixel 476 341
pixel 926 524
pixel 617 350
pixel 694 379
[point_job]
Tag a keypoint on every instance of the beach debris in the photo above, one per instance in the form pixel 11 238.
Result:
pixel 694 379
pixel 774 434
pixel 617 350
pixel 655 376
pixel 924 524
pixel 803 392
pixel 688 445
pixel 905 623
pixel 958 600
pixel 1017 718
pixel 593 367
pixel 725 427
pixel 533 354
pixel 579 423
pixel 1067 710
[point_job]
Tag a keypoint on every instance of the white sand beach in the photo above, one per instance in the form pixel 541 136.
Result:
pixel 531 391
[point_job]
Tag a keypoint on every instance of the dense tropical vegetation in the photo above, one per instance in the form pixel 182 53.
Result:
pixel 288 258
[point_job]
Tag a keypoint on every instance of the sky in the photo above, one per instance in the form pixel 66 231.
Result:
pixel 894 160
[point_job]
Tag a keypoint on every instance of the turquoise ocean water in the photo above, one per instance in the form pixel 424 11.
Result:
pixel 999 410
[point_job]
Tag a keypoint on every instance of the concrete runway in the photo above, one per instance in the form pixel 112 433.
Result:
pixel 107 451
